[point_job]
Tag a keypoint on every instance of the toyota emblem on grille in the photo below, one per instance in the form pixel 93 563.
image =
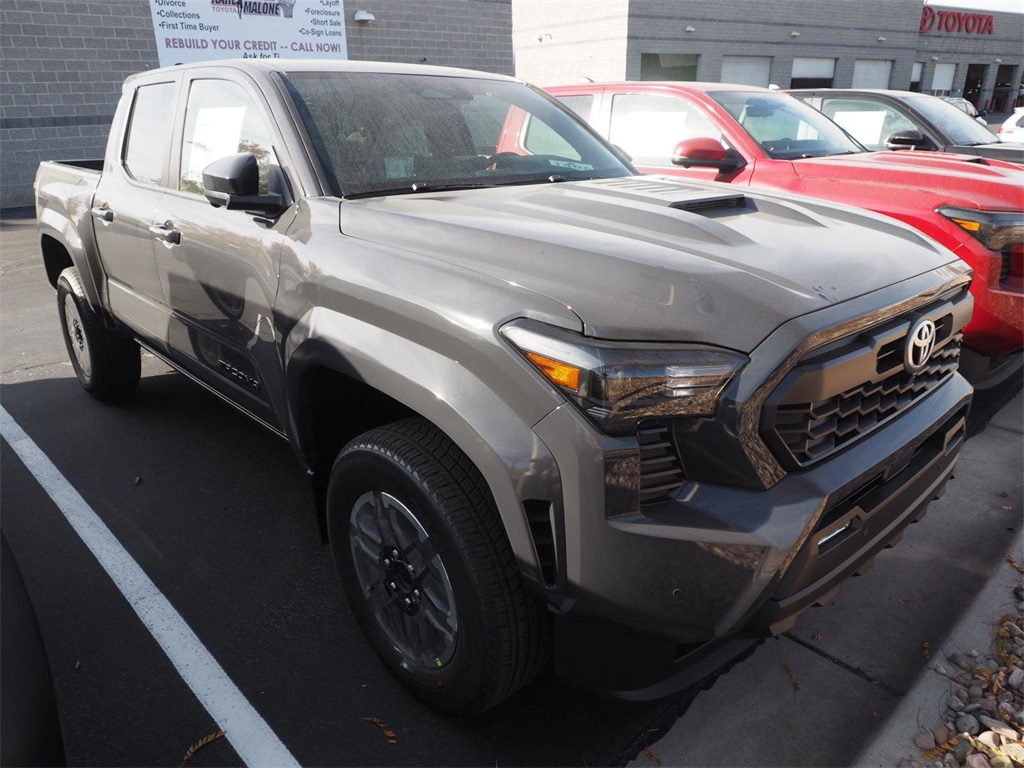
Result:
pixel 920 343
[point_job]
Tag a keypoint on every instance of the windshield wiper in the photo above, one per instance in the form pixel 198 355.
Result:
pixel 423 186
pixel 414 188
pixel 807 155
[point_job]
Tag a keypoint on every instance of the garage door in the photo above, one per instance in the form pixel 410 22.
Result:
pixel 871 73
pixel 942 80
pixel 813 73
pixel 746 70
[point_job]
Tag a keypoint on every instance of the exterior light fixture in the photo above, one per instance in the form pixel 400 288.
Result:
pixel 364 16
pixel 690 28
pixel 997 61
pixel 881 39
pixel 935 58
pixel 794 34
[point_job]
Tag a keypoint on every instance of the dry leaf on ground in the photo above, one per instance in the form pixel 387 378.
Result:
pixel 200 744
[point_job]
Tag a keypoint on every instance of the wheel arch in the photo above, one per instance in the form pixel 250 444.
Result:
pixel 342 371
pixel 63 247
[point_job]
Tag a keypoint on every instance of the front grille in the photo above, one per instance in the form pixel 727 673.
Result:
pixel 890 356
pixel 1011 263
pixel 660 472
pixel 812 430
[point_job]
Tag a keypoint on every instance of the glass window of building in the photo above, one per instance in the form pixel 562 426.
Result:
pixel 668 66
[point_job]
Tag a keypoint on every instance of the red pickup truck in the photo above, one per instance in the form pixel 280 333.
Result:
pixel 761 138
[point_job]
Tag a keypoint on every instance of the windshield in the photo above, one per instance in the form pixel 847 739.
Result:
pixel 388 133
pixel 785 127
pixel 960 127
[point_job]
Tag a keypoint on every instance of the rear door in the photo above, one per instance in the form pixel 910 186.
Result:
pixel 219 268
pixel 125 205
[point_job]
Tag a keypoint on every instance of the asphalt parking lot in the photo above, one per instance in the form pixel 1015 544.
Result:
pixel 216 513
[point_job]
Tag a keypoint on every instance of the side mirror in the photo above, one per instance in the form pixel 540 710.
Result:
pixel 910 139
pixel 705 152
pixel 234 182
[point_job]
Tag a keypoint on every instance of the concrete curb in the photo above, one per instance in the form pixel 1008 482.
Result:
pixel 923 703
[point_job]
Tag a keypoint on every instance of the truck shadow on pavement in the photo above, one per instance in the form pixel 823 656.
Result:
pixel 218 513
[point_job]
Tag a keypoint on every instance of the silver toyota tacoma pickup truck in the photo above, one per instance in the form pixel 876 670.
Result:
pixel 548 406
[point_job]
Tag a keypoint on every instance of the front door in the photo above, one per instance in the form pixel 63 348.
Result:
pixel 219 268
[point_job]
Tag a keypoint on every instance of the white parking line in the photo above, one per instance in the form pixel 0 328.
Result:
pixel 248 733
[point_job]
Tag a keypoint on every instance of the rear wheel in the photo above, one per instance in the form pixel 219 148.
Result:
pixel 107 363
pixel 428 571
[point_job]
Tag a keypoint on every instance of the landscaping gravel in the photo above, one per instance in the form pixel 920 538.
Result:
pixel 984 712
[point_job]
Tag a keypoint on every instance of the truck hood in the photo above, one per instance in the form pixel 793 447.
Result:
pixel 954 178
pixel 652 258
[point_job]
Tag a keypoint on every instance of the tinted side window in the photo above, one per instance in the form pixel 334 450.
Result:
pixel 582 104
pixel 485 117
pixel 220 120
pixel 869 122
pixel 542 139
pixel 149 133
pixel 648 127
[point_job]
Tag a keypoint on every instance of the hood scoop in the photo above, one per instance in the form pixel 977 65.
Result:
pixel 706 205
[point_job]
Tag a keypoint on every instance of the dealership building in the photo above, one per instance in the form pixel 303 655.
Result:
pixel 63 61
pixel 900 44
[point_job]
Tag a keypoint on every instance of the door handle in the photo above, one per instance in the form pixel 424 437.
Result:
pixel 161 232
pixel 103 214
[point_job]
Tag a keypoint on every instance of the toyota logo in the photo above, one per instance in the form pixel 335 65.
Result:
pixel 920 343
pixel 927 19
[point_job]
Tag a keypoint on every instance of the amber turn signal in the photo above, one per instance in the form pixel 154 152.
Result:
pixel 562 374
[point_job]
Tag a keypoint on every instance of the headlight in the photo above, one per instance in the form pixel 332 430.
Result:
pixel 995 230
pixel 618 384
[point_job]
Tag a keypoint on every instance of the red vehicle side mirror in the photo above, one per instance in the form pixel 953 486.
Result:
pixel 705 152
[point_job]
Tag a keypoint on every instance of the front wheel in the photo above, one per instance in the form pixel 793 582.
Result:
pixel 108 364
pixel 428 571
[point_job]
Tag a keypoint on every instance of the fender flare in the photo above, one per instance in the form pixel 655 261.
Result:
pixel 64 228
pixel 513 460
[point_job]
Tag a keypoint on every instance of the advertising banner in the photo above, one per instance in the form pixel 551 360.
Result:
pixel 200 30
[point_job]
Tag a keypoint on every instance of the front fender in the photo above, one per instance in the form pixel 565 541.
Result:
pixel 515 463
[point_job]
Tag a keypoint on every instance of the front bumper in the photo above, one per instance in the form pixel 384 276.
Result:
pixel 656 599
pixel 997 328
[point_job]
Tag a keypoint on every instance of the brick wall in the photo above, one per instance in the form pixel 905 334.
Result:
pixel 60 78
pixel 62 65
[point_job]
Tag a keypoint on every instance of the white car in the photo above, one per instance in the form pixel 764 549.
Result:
pixel 1012 129
pixel 965 106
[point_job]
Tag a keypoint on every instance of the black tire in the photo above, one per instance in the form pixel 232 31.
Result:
pixel 498 624
pixel 107 363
